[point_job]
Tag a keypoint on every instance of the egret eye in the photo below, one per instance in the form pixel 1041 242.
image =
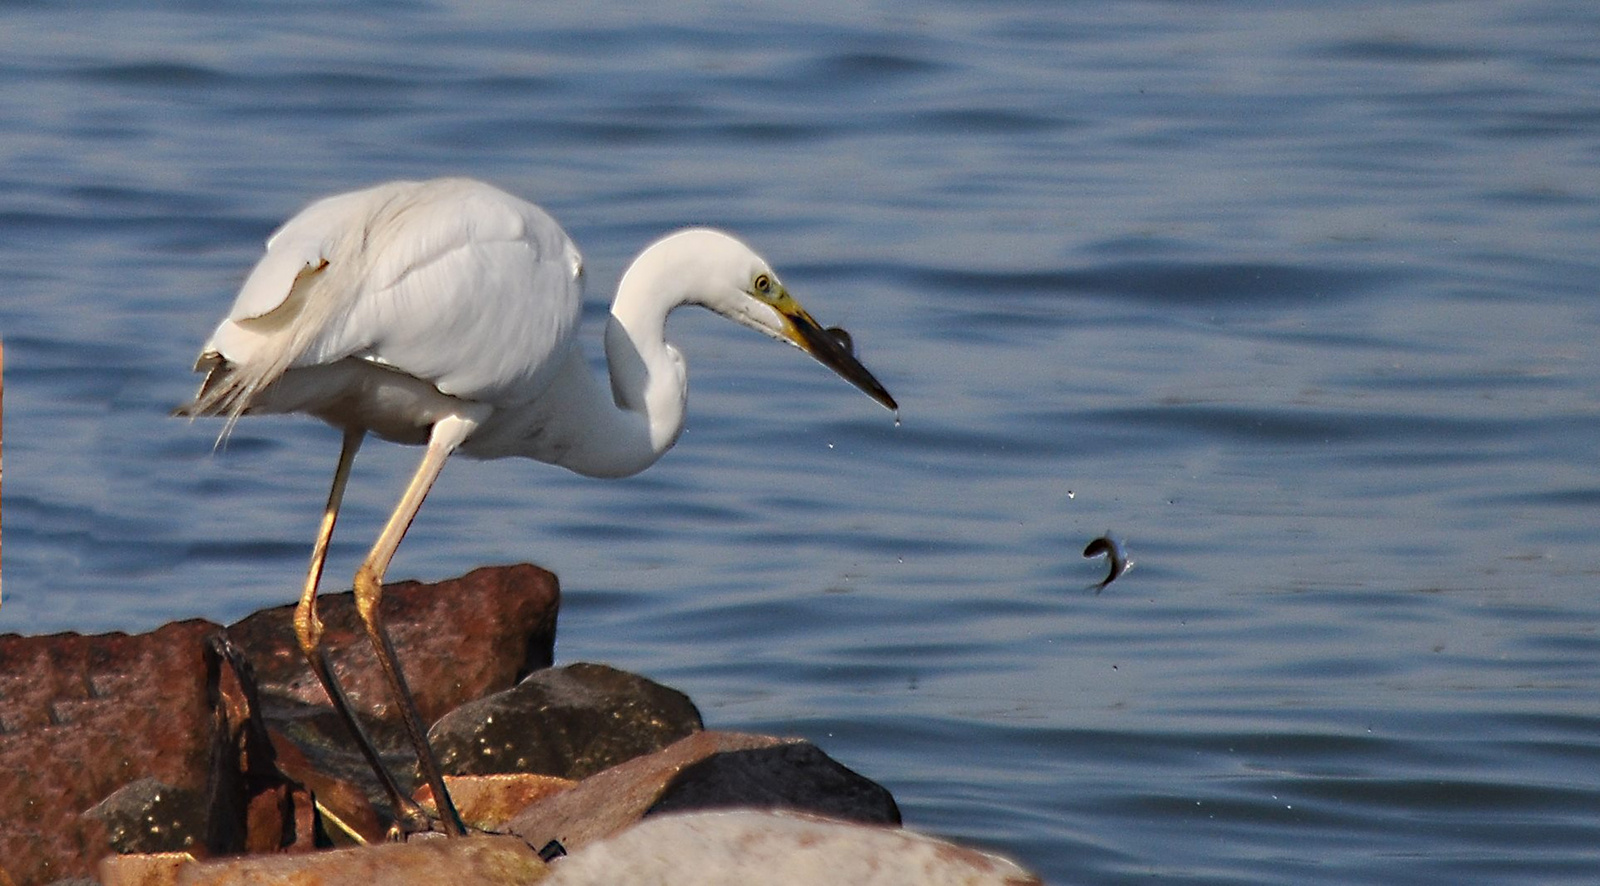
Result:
pixel 762 284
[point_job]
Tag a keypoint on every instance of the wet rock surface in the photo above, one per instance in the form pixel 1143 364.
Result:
pixel 570 722
pixel 146 816
pixel 793 775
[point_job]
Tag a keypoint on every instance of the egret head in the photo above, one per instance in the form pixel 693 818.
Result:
pixel 723 274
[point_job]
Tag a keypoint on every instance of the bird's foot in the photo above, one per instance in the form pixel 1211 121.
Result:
pixel 413 821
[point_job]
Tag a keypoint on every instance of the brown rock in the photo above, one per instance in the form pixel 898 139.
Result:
pixel 570 722
pixel 779 849
pixel 615 799
pixel 254 806
pixel 486 801
pixel 610 801
pixel 82 716
pixel 480 860
pixel 147 816
pixel 283 818
pixel 142 870
pixel 349 814
pixel 459 640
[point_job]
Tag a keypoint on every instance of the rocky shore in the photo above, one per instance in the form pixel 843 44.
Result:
pixel 198 754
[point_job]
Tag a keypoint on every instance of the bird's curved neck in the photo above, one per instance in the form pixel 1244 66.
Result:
pixel 618 432
pixel 647 374
pixel 648 382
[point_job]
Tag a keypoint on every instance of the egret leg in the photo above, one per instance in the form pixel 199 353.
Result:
pixel 446 435
pixel 308 631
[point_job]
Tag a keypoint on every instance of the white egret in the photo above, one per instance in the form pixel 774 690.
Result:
pixel 444 313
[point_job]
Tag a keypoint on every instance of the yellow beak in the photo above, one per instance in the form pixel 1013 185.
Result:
pixel 831 348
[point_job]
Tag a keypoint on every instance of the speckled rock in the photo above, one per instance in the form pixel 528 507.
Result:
pixel 569 722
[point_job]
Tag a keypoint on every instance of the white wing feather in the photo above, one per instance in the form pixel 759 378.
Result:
pixel 450 281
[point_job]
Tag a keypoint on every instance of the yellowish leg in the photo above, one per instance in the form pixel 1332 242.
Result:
pixel 447 434
pixel 308 631
pixel 307 626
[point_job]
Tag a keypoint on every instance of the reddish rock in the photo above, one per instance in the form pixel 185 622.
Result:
pixel 143 870
pixel 570 722
pixel 283 819
pixel 486 801
pixel 83 716
pixel 609 802
pixel 255 807
pixel 480 860
pixel 349 815
pixel 458 640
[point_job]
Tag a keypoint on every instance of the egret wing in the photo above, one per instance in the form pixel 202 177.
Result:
pixel 451 281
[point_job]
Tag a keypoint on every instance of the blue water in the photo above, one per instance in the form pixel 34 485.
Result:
pixel 1297 299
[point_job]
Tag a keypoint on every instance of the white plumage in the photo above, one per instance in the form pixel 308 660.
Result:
pixel 445 312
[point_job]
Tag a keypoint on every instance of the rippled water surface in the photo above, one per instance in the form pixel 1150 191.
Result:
pixel 1297 299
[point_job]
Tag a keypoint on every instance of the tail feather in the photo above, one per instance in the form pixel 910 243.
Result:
pixel 282 334
pixel 225 392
